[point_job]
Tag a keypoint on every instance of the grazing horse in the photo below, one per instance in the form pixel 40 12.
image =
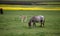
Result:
pixel 36 19
pixel 23 18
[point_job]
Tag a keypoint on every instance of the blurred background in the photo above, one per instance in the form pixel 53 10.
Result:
pixel 10 20
pixel 30 2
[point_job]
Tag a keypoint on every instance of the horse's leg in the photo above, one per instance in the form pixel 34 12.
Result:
pixel 34 25
pixel 41 23
pixel 25 19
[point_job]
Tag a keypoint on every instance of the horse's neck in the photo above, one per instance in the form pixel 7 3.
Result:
pixel 29 22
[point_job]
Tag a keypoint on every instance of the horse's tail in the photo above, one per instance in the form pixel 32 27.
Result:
pixel 44 20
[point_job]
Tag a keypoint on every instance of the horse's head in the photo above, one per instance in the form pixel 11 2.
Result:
pixel 29 23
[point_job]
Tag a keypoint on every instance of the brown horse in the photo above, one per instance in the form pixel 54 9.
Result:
pixel 36 19
pixel 23 18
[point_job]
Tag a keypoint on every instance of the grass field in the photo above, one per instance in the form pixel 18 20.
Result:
pixel 10 24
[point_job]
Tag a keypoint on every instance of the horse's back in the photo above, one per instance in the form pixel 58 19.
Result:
pixel 40 17
pixel 37 18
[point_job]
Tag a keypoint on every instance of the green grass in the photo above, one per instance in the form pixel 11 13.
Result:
pixel 10 24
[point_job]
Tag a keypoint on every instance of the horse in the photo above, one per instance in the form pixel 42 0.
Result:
pixel 36 19
pixel 23 18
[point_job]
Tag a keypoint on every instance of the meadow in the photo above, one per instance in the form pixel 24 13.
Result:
pixel 11 25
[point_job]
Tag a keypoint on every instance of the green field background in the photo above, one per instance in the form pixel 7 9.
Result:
pixel 11 25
